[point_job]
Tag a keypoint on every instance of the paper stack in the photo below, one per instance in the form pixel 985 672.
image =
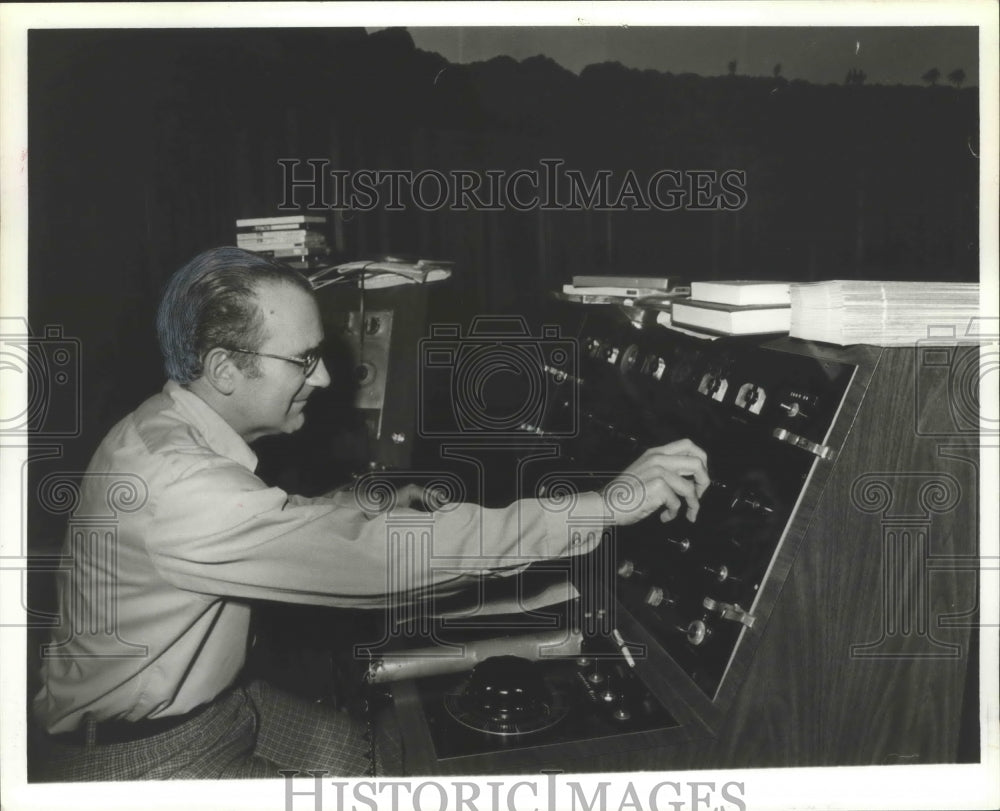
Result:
pixel 880 313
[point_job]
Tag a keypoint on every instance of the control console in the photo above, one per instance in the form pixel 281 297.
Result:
pixel 770 630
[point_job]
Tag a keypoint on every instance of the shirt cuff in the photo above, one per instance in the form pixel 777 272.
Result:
pixel 576 524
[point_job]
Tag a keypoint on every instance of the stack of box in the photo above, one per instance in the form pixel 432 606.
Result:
pixel 297 238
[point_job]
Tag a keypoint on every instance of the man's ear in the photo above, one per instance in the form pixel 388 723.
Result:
pixel 220 371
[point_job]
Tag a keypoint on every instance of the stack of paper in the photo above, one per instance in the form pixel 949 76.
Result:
pixel 881 313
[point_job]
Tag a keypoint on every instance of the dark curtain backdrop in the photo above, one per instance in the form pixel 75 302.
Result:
pixel 146 145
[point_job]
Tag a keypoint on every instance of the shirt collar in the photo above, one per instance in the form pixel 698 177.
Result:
pixel 218 433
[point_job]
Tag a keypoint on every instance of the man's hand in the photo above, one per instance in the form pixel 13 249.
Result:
pixel 668 476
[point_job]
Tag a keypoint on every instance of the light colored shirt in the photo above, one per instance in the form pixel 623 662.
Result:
pixel 154 611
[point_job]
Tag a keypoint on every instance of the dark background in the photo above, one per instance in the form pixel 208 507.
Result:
pixel 146 145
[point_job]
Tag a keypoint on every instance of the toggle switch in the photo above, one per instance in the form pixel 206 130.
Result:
pixel 683 544
pixel 792 409
pixel 730 611
pixel 751 501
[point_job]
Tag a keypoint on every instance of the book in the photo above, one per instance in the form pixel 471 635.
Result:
pixel 284 253
pixel 623 292
pixel 289 235
pixel 280 246
pixel 307 264
pixel 730 319
pixel 741 292
pixel 661 283
pixel 310 240
pixel 293 219
pixel 664 319
pixel 287 250
pixel 847 312
pixel 281 226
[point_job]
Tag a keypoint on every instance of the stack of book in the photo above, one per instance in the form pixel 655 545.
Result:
pixel 735 308
pixel 882 313
pixel 618 289
pixel 296 238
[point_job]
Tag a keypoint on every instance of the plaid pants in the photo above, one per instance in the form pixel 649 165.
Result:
pixel 251 731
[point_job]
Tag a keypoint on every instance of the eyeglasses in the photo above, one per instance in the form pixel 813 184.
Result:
pixel 307 363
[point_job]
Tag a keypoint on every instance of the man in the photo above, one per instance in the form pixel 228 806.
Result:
pixel 143 678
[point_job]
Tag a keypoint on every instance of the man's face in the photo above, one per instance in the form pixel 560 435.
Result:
pixel 273 402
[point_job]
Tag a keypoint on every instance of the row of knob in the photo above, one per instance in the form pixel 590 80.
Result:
pixel 721 573
pixel 750 397
pixel 697 631
pixel 607 686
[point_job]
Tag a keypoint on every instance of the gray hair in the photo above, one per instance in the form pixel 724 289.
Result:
pixel 212 301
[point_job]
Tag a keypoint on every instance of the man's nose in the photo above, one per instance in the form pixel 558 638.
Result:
pixel 320 378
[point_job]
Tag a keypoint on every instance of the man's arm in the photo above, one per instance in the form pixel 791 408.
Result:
pixel 221 531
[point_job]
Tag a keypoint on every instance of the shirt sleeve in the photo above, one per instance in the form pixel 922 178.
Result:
pixel 220 530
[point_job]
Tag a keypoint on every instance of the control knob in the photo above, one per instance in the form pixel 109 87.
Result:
pixel 696 632
pixel 657 596
pixel 627 568
pixel 721 574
